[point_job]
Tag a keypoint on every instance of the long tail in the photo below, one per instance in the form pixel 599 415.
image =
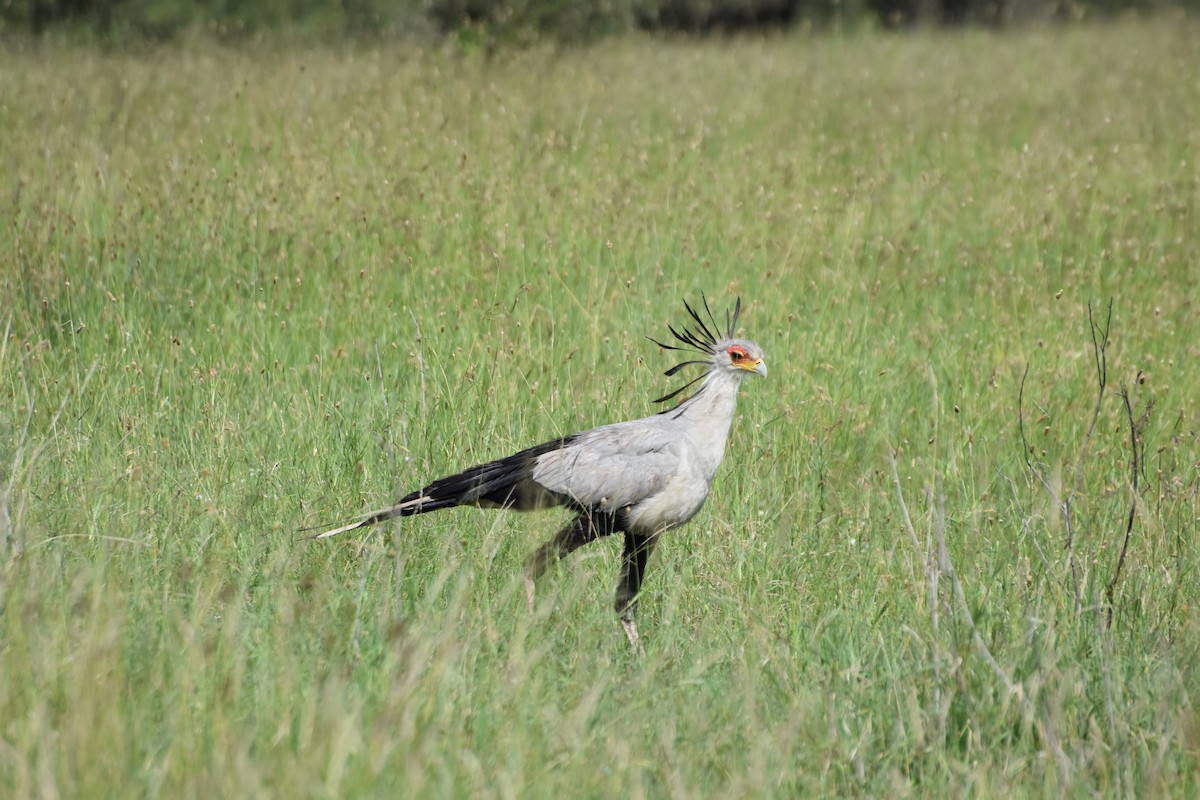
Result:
pixel 505 483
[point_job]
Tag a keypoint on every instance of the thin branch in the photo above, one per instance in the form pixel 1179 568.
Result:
pixel 1134 472
pixel 1099 347
pixel 1025 446
pixel 1100 336
pixel 1143 421
pixel 1100 354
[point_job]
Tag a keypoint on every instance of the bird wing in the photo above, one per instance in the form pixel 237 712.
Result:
pixel 614 466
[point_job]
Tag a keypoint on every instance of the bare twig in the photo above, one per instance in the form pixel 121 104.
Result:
pixel 1100 358
pixel 1100 354
pixel 1137 449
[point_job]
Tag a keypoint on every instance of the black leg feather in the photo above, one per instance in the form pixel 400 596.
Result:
pixel 633 569
pixel 584 529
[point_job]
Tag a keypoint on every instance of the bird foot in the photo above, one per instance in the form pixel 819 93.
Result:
pixel 631 633
pixel 529 587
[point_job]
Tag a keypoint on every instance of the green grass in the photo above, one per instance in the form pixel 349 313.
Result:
pixel 215 266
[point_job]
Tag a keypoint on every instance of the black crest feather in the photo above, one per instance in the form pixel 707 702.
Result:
pixel 697 337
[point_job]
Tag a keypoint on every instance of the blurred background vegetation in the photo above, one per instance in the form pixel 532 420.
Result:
pixel 517 22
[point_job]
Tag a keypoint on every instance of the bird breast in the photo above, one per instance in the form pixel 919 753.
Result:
pixel 679 500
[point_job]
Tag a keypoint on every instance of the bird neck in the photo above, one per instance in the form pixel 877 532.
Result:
pixel 708 415
pixel 714 403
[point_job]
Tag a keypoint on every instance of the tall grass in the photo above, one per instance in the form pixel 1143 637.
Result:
pixel 247 292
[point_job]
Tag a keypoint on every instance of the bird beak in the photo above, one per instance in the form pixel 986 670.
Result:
pixel 761 368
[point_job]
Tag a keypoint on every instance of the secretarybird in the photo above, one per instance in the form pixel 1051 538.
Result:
pixel 639 478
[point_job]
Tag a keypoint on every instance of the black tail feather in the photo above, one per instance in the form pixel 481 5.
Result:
pixel 492 482
pixel 504 483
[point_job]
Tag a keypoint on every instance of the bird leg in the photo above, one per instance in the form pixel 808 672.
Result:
pixel 583 529
pixel 631 633
pixel 530 586
pixel 633 569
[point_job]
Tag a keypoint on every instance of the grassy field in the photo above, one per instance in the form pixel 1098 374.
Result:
pixel 248 291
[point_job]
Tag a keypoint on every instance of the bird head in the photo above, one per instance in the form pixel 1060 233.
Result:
pixel 742 356
pixel 739 357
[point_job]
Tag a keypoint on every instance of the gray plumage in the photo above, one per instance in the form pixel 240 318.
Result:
pixel 640 478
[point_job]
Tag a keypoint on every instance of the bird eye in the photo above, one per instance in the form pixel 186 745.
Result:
pixel 736 355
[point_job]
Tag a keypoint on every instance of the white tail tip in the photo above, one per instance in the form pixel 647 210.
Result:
pixel 336 531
